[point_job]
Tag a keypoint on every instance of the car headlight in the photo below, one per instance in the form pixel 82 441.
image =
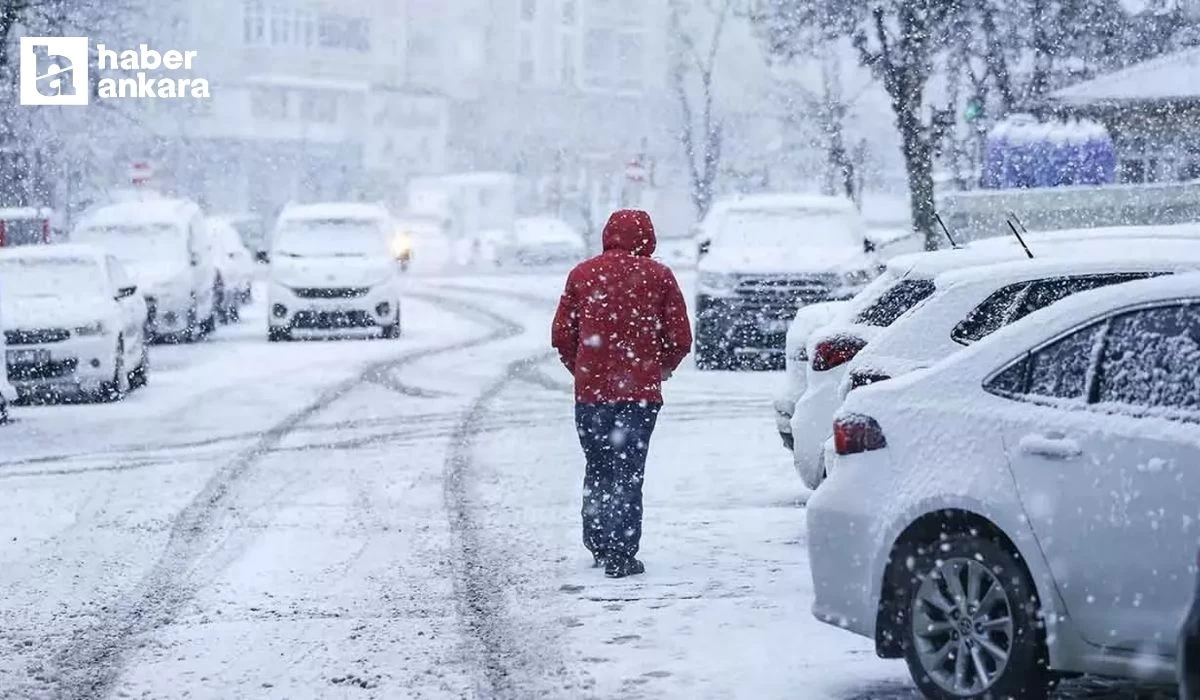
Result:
pixel 717 284
pixel 92 329
pixel 401 245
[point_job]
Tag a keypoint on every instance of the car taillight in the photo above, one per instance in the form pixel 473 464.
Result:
pixel 860 379
pixel 46 231
pixel 836 351
pixel 856 433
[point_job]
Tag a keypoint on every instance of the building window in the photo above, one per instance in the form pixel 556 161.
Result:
pixel 528 10
pixel 340 32
pixel 269 103
pixel 281 24
pixel 319 107
pixel 525 65
pixel 253 21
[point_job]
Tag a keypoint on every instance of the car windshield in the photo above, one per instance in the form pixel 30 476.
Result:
pixel 785 228
pixel 329 239
pixel 33 277
pixel 134 244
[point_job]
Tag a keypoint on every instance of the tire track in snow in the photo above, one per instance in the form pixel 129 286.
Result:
pixel 90 662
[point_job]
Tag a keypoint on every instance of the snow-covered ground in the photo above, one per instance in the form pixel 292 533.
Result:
pixel 399 519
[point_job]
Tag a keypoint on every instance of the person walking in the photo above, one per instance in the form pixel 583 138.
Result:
pixel 621 329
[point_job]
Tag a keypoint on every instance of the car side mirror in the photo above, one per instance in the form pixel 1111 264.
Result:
pixel 868 245
pixel 126 292
pixel 262 256
pixel 195 261
pixel 703 248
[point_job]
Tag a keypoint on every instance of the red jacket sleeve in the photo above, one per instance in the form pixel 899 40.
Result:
pixel 676 335
pixel 564 333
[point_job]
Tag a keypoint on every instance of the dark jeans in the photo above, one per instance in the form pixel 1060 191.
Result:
pixel 615 438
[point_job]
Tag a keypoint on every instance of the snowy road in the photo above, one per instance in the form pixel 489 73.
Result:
pixel 399 519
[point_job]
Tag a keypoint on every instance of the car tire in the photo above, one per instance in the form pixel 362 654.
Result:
pixel 969 623
pixel 193 332
pixel 140 376
pixel 393 331
pixel 220 302
pixel 118 387
pixel 276 334
pixel 3 411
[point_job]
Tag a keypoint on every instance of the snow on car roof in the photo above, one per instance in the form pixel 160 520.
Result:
pixel 810 202
pixel 333 210
pixel 56 251
pixel 1150 255
pixel 152 211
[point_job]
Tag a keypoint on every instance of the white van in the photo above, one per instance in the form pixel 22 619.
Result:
pixel 161 242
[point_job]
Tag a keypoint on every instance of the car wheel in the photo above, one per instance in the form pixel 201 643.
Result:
pixel 3 411
pixel 275 334
pixel 967 612
pixel 116 389
pixel 193 332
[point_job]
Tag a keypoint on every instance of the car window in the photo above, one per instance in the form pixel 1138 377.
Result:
pixel 990 315
pixel 1048 291
pixel 1058 370
pixel 1151 358
pixel 903 296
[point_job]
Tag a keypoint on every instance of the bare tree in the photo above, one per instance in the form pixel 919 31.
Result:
pixel 696 28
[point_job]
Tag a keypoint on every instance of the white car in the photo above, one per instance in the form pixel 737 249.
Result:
pixel 907 281
pixel 1031 500
pixel 808 319
pixel 161 242
pixel 235 269
pixel 971 304
pixel 768 256
pixel 541 240
pixel 332 276
pixel 331 215
pixel 74 322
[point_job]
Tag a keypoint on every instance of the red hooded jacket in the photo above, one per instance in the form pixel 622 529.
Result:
pixel 622 322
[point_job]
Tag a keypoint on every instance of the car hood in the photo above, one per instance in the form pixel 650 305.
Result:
pixel 751 261
pixel 331 272
pixel 150 276
pixel 52 311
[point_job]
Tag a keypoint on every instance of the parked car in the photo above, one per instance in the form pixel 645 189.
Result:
pixel 1189 647
pixel 769 255
pixel 235 269
pixel 1014 511
pixel 8 393
pixel 252 230
pixel 332 217
pixel 332 275
pixel 542 240
pixel 74 322
pixel 808 319
pixel 971 304
pixel 907 282
pixel 161 243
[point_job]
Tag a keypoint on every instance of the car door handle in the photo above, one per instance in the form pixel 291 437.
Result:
pixel 1052 445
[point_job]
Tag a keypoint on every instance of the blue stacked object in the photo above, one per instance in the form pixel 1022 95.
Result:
pixel 1023 152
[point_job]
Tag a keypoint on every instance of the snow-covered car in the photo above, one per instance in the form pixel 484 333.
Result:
pixel 808 319
pixel 768 256
pixel 74 322
pixel 970 304
pixel 253 232
pixel 161 243
pixel 235 269
pixel 541 240
pixel 334 277
pixel 333 216
pixel 1027 505
pixel 907 281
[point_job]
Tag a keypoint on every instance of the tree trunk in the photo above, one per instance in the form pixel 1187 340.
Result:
pixel 918 164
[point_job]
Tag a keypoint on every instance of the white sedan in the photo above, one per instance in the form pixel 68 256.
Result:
pixel 807 319
pixel 541 240
pixel 235 268
pixel 74 322
pixel 1027 506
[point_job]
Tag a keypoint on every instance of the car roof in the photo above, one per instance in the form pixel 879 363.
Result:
pixel 1154 257
pixel 53 251
pixel 321 210
pixel 156 210
pixel 813 202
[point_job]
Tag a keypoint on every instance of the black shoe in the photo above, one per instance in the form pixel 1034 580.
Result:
pixel 621 568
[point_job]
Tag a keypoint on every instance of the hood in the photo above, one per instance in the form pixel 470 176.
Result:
pixel 751 261
pixel 149 276
pixel 630 230
pixel 52 311
pixel 331 272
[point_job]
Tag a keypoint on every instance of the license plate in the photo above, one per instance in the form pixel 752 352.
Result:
pixel 27 357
